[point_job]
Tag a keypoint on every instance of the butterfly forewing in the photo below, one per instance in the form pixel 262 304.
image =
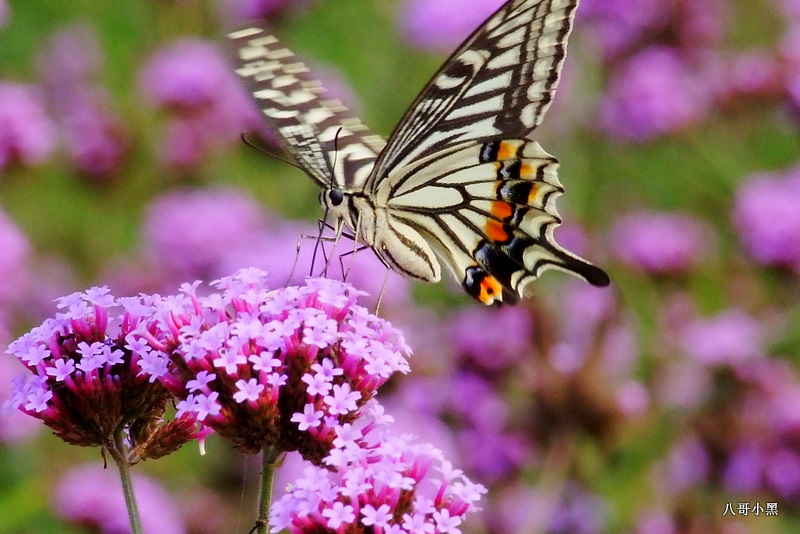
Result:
pixel 318 131
pixel 498 84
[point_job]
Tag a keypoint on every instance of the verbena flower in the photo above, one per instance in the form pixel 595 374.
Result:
pixel 15 426
pixel 29 135
pixel 442 24
pixel 386 484
pixel 655 93
pixel 14 260
pixel 86 377
pixel 207 107
pixel 95 139
pixel 187 233
pixel 623 23
pixel 277 369
pixel 767 218
pixel 4 13
pixel 88 495
pixel 727 338
pixel 661 243
pixel 247 10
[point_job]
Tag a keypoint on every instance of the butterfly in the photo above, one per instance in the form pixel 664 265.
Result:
pixel 458 182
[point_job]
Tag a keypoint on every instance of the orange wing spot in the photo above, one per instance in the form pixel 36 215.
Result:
pixel 533 193
pixel 528 171
pixel 495 231
pixel 491 290
pixel 507 150
pixel 502 210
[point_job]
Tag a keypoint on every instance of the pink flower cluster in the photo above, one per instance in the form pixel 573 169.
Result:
pixel 388 485
pixel 86 376
pixel 272 368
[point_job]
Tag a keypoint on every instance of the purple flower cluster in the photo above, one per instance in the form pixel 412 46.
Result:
pixel 272 368
pixel 206 106
pixel 86 377
pixel 15 426
pixel 4 13
pixel 668 68
pixel 389 485
pixel 654 92
pixel 767 217
pixel 249 10
pixel 624 25
pixel 661 243
pixel 14 261
pixel 95 139
pixel 441 25
pixel 187 233
pixel 28 134
pixel 89 495
pixel 728 338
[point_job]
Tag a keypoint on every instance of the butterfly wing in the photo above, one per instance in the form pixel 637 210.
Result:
pixel 488 211
pixel 318 131
pixel 498 84
pixel 459 171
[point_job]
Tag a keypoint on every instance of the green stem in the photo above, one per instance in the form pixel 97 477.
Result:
pixel 269 458
pixel 121 459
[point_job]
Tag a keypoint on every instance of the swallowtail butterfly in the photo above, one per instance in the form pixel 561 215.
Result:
pixel 458 181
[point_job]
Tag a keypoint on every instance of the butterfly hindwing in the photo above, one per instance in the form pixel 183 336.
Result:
pixel 489 211
pixel 317 130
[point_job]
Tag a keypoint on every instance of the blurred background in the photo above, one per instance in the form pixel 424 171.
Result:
pixel 668 403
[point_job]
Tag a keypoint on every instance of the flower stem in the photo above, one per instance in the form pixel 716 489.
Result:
pixel 121 459
pixel 268 461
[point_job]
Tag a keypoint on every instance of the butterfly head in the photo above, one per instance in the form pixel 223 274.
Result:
pixel 331 197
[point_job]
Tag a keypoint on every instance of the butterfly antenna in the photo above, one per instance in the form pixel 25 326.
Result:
pixel 249 143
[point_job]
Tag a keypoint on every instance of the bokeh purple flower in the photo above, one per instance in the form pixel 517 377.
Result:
pixel 622 23
pixel 188 233
pixel 685 467
pixel 249 10
pixel 206 106
pixel 655 93
pixel 14 261
pixel 27 133
pixel 94 136
pixel 661 242
pixel 766 215
pixel 475 337
pixel 730 337
pixel 278 369
pixel 441 25
pixel 385 483
pixel 4 13
pixel 89 495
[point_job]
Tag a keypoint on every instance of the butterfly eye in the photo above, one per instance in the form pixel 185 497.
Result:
pixel 335 196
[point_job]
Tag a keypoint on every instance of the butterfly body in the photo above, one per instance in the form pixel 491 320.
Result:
pixel 458 182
